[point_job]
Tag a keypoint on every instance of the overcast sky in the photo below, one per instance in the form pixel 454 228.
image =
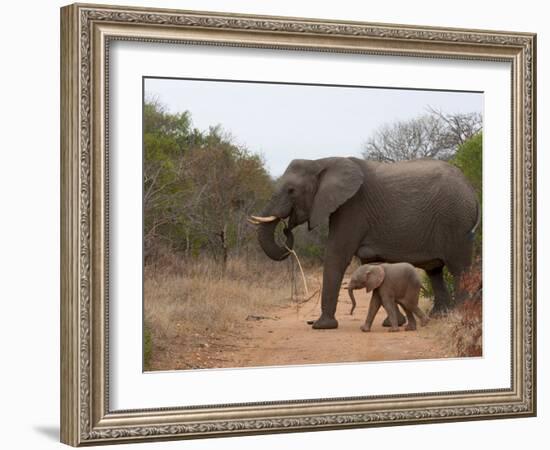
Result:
pixel 284 122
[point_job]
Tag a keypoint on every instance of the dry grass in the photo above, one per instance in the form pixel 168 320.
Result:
pixel 188 303
pixel 425 304
pixel 200 300
pixel 462 328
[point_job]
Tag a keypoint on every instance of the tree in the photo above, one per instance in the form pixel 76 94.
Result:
pixel 460 126
pixel 434 135
pixel 227 183
pixel 469 159
pixel 198 187
pixel 166 138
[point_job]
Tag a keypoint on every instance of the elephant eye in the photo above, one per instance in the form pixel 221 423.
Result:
pixel 290 190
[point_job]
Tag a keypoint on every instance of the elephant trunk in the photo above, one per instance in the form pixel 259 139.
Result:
pixel 266 238
pixel 353 304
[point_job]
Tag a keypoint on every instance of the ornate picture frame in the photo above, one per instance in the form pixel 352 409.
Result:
pixel 87 31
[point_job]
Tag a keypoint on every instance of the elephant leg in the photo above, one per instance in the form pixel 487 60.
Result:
pixel 400 319
pixel 332 280
pixel 374 306
pixel 410 305
pixel 391 309
pixel 411 321
pixel 342 244
pixel 442 300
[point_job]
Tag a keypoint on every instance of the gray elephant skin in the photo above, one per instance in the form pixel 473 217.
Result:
pixel 391 284
pixel 423 212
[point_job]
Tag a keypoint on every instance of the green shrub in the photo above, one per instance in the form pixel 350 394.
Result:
pixel 147 347
pixel 427 290
pixel 469 159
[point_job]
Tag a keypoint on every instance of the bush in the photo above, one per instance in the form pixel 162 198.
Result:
pixel 468 159
pixel 147 347
pixel 462 329
pixel 466 334
pixel 427 290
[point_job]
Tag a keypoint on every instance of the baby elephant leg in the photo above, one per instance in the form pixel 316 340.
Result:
pixel 391 309
pixel 411 321
pixel 410 304
pixel 400 319
pixel 423 317
pixel 373 309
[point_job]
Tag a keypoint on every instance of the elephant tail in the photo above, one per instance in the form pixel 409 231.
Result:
pixel 472 232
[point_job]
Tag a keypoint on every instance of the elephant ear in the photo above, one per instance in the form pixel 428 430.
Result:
pixel 339 180
pixel 374 277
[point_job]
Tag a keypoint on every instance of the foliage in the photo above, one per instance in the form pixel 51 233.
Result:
pixel 467 332
pixel 471 281
pixel 469 159
pixel 199 187
pixel 434 135
pixel 147 347
pixel 427 290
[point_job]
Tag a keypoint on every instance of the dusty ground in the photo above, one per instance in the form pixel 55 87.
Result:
pixel 282 337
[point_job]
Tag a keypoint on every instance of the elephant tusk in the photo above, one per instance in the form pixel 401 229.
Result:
pixel 264 219
pixel 253 222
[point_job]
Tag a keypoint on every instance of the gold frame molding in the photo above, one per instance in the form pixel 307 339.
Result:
pixel 86 31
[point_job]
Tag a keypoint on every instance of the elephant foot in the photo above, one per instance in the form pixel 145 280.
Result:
pixel 393 330
pixel 400 320
pixel 410 327
pixel 365 328
pixel 325 323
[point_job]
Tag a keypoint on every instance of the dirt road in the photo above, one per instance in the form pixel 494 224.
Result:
pixel 282 337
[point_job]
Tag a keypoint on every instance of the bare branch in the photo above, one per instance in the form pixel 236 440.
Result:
pixel 434 135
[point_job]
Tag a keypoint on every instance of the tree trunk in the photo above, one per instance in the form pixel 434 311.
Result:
pixel 223 238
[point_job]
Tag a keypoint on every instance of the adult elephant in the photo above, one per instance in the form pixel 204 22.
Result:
pixel 423 212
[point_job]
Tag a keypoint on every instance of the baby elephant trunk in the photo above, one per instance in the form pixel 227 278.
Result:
pixel 350 292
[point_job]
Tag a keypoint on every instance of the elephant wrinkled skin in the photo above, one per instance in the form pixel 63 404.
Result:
pixel 423 212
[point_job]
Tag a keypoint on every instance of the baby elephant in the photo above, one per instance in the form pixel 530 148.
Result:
pixel 391 284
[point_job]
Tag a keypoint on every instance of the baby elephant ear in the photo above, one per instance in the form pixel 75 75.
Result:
pixel 374 277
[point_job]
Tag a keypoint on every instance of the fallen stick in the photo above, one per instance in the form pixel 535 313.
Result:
pixel 252 317
pixel 309 298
